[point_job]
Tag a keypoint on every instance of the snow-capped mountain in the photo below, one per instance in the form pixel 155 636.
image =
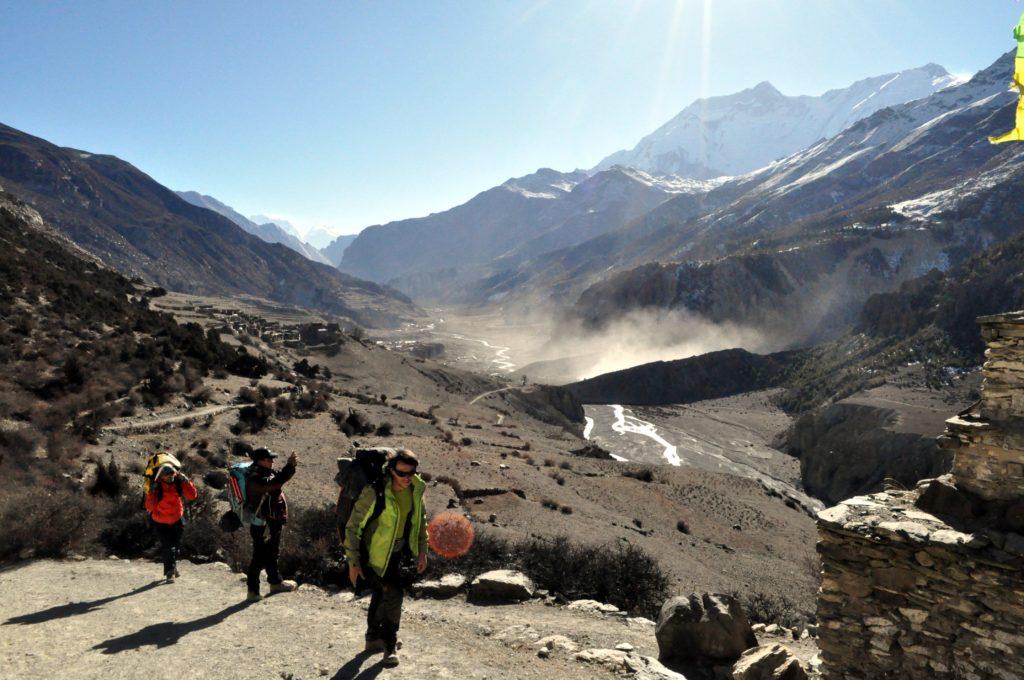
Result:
pixel 741 132
pixel 911 188
pixel 319 238
pixel 270 232
pixel 284 224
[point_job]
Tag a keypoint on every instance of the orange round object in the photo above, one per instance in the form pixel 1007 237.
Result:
pixel 450 535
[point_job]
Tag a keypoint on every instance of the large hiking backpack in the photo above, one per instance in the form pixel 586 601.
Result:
pixel 238 477
pixel 354 474
pixel 155 462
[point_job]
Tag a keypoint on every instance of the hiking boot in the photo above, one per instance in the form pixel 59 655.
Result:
pixel 390 659
pixel 177 574
pixel 169 578
pixel 254 596
pixel 283 587
pixel 374 645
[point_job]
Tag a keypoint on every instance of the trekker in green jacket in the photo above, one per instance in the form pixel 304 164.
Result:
pixel 388 524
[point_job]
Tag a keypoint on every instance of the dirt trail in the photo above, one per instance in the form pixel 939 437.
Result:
pixel 143 425
pixel 487 394
pixel 109 619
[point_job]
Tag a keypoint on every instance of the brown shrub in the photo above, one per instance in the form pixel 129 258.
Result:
pixel 43 523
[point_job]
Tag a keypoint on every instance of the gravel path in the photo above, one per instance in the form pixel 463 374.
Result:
pixel 110 619
pixel 155 423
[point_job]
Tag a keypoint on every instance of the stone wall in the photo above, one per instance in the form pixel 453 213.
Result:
pixel 1003 393
pixel 929 583
pixel 905 595
pixel 989 439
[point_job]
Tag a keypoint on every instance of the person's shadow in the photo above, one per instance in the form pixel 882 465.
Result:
pixel 353 670
pixel 167 633
pixel 64 611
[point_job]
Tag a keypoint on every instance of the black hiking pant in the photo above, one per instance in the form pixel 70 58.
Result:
pixel 385 613
pixel 170 543
pixel 264 554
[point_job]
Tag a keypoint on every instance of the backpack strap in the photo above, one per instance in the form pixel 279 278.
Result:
pixel 378 504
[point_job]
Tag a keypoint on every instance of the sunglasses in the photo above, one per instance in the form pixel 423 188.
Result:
pixel 405 473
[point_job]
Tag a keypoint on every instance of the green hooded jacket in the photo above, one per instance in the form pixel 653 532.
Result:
pixel 380 532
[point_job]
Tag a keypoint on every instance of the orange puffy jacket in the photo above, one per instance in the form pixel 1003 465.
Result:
pixel 164 502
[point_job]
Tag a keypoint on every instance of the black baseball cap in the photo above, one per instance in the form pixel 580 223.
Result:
pixel 262 452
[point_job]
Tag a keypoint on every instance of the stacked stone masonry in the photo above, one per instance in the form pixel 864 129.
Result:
pixel 929 583
pixel 1003 393
pixel 904 595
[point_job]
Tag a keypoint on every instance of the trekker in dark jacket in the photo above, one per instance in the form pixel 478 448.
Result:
pixel 266 497
pixel 166 507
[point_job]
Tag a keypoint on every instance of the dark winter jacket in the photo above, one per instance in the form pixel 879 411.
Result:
pixel 263 488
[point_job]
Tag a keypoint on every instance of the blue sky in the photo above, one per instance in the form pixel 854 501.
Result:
pixel 353 113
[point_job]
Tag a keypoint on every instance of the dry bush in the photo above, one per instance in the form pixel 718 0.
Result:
pixel 644 474
pixel 623 575
pixel 311 548
pixel 352 423
pixel 452 482
pixel 109 479
pixel 40 522
pixel 772 608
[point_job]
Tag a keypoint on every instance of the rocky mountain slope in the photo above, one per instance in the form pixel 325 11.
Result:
pixel 738 133
pixel 708 376
pixel 268 231
pixel 504 225
pixel 334 251
pixel 141 228
pixel 910 188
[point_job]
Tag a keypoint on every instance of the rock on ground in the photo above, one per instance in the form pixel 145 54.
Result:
pixel 501 586
pixel 447 586
pixel 704 629
pixel 628 663
pixel 768 662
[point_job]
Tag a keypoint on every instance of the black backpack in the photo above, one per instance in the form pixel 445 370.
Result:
pixel 354 474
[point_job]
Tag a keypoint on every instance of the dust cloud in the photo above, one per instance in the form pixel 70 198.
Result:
pixel 575 352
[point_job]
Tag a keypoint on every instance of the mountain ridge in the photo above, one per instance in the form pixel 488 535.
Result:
pixel 270 232
pixel 141 228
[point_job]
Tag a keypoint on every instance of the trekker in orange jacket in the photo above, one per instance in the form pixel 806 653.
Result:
pixel 165 504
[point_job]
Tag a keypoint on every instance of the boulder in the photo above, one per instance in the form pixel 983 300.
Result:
pixel 501 586
pixel 707 629
pixel 768 662
pixel 447 586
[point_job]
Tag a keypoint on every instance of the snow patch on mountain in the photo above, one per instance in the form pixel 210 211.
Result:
pixel 738 133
